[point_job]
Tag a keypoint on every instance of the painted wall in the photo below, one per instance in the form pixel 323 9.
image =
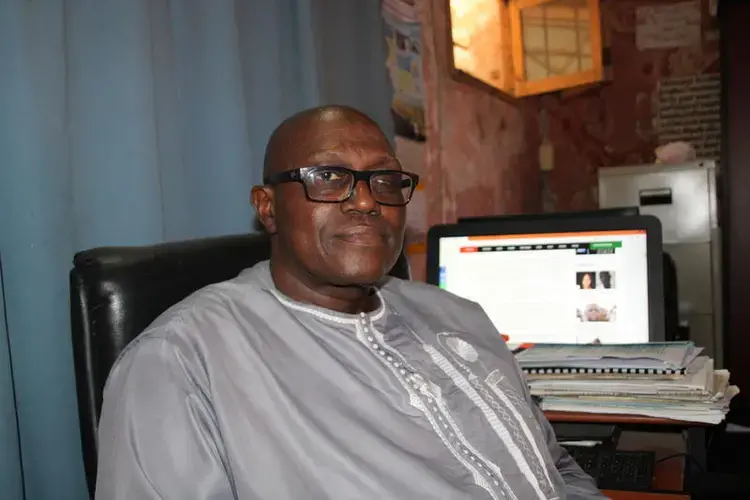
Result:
pixel 613 125
pixel 481 155
pixel 481 152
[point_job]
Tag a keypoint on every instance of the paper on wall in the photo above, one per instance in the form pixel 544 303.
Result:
pixel 404 63
pixel 668 25
pixel 410 153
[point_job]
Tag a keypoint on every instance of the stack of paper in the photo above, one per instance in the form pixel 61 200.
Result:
pixel 667 380
pixel 654 356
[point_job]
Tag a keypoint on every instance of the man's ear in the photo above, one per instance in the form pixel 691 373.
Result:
pixel 262 198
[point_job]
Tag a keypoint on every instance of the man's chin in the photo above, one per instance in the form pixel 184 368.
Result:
pixel 359 276
pixel 357 268
pixel 358 281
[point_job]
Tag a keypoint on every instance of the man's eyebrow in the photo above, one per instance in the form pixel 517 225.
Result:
pixel 322 156
pixel 335 156
pixel 384 158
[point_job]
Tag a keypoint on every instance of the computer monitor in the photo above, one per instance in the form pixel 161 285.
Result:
pixel 577 214
pixel 556 280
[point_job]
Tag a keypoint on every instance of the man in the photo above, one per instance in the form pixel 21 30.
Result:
pixel 312 376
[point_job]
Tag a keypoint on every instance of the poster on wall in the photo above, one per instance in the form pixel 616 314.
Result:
pixel 689 111
pixel 669 25
pixel 404 64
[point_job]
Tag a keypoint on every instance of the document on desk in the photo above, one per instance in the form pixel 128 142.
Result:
pixel 701 381
pixel 707 407
pixel 651 356
pixel 712 412
pixel 697 392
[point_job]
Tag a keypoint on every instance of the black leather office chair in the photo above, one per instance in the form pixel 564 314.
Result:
pixel 116 292
pixel 672 329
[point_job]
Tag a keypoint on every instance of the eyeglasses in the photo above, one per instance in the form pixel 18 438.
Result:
pixel 335 183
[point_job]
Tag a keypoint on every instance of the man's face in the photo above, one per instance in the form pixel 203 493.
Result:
pixel 355 242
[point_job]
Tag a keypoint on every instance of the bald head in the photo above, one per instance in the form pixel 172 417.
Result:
pixel 332 236
pixel 300 126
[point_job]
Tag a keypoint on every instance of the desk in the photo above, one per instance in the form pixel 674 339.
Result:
pixel 640 495
pixel 606 418
pixel 670 475
pixel 696 431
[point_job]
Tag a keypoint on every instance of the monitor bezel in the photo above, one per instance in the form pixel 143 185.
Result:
pixel 510 225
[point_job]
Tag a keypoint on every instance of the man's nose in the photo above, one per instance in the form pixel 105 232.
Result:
pixel 362 198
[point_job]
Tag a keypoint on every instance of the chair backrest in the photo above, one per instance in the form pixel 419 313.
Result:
pixel 116 292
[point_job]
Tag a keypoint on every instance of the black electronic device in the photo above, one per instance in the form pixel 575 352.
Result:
pixel 674 331
pixel 577 214
pixel 551 278
pixel 606 434
pixel 616 470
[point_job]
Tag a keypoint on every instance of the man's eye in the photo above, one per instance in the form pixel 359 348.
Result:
pixel 389 182
pixel 330 176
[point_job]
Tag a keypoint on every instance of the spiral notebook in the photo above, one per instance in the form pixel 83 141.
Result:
pixel 699 382
pixel 604 371
pixel 662 358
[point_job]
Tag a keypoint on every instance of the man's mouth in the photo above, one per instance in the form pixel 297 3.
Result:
pixel 362 236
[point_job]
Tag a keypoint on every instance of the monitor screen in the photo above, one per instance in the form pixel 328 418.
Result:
pixel 569 287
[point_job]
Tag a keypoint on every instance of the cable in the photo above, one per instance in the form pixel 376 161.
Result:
pixel 686 455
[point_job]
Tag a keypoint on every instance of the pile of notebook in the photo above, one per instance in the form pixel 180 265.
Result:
pixel 667 380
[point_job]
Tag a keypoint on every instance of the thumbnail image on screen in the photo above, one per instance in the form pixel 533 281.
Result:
pixel 592 280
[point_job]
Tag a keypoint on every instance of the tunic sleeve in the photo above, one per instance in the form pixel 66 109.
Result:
pixel 157 434
pixel 578 484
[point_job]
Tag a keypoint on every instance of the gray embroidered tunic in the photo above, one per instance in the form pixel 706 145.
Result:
pixel 239 392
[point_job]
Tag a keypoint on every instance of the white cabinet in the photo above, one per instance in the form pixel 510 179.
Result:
pixel 683 197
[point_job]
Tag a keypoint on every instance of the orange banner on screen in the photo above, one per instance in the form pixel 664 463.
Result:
pixel 624 232
pixel 469 249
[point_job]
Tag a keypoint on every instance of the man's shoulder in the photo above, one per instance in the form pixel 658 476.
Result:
pixel 429 298
pixel 445 313
pixel 208 312
pixel 213 302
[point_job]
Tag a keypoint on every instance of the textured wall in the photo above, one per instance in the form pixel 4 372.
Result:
pixel 612 125
pixel 481 152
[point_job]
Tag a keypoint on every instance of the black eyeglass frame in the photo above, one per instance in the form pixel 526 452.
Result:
pixel 299 175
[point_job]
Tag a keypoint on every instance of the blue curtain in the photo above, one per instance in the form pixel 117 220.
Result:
pixel 10 463
pixel 135 122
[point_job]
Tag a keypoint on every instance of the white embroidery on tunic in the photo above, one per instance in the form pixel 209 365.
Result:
pixel 538 465
pixel 491 416
pixel 320 313
pixel 512 403
pixel 513 406
pixel 484 472
pixel 440 421
pixel 463 349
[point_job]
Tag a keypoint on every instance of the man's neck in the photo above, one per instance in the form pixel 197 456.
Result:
pixel 345 299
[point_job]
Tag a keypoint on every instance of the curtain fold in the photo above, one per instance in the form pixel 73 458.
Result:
pixel 11 480
pixel 135 122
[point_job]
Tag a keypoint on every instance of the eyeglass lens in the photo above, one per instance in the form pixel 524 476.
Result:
pixel 333 185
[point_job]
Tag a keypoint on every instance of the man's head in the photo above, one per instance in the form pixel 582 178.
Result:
pixel 329 227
